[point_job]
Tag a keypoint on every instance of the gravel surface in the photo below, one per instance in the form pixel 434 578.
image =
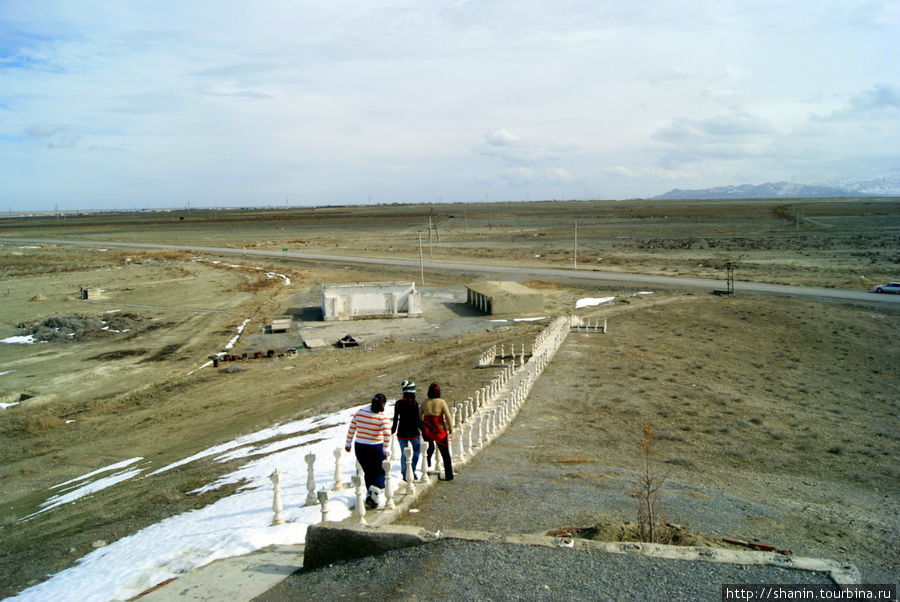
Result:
pixel 457 570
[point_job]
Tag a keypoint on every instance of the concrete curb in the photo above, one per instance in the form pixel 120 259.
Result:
pixel 327 543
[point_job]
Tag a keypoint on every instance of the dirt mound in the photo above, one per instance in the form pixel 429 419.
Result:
pixel 38 297
pixel 624 531
pixel 118 355
pixel 78 327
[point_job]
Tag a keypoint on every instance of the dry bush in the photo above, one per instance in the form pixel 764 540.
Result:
pixel 784 212
pixel 651 524
pixel 35 423
pixel 166 255
pixel 258 284
pixel 542 285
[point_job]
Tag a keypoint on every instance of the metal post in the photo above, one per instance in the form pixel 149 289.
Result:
pixel 575 257
pixel 421 261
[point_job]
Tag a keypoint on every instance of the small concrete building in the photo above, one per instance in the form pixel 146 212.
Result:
pixel 90 292
pixel 370 300
pixel 504 298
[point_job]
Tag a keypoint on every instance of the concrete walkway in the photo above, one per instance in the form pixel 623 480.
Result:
pixel 232 579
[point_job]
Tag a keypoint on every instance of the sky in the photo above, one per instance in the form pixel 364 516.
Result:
pixel 134 104
pixel 234 525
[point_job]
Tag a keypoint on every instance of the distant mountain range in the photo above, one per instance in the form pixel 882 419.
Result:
pixel 879 187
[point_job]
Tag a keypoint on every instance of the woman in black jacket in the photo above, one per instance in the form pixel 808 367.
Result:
pixel 407 425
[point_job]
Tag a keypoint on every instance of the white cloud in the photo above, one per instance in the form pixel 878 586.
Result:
pixel 67 141
pixel 558 174
pixel 502 137
pixel 519 176
pixel 42 131
pixel 621 171
pixel 727 125
pixel 676 74
pixel 649 173
pixel 879 100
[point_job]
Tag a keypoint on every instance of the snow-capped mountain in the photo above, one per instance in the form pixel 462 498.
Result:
pixel 887 185
pixel 878 187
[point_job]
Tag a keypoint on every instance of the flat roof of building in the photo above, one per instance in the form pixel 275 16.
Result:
pixel 496 288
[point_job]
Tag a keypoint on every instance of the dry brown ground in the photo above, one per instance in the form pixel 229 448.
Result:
pixel 775 422
pixel 752 397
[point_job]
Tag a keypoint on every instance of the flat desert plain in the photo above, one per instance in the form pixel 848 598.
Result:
pixel 782 400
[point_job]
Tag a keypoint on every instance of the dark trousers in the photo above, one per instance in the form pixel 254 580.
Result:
pixel 370 458
pixel 444 448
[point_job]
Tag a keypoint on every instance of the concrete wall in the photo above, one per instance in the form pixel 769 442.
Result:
pixel 370 300
pixel 494 297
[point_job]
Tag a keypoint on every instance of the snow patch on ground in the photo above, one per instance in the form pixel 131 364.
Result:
pixel 591 301
pixel 234 339
pixel 19 339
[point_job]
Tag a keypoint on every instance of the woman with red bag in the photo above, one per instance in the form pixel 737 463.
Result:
pixel 438 427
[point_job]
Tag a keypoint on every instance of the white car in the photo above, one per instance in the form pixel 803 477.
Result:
pixel 890 287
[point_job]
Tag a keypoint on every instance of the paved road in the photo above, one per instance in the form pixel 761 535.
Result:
pixel 814 292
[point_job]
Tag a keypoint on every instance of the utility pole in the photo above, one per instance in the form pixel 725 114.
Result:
pixel 432 227
pixel 421 262
pixel 575 257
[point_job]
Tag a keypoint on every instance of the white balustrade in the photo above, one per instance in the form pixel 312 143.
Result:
pixel 310 480
pixel 388 485
pixel 360 510
pixel 324 497
pixel 460 446
pixel 438 460
pixel 395 447
pixel 338 473
pixel 276 499
pixel 410 472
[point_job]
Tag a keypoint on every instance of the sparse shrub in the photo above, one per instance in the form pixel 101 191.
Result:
pixel 40 423
pixel 167 255
pixel 576 460
pixel 260 283
pixel 648 483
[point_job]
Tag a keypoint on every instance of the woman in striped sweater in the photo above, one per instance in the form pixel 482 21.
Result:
pixel 373 444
